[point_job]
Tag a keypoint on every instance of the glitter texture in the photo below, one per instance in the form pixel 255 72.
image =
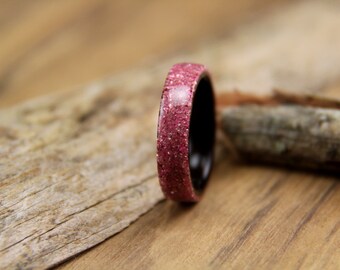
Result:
pixel 173 131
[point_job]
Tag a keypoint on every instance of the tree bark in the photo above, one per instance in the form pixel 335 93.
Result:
pixel 294 135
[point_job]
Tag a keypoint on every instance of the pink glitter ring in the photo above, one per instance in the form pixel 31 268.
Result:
pixel 186 132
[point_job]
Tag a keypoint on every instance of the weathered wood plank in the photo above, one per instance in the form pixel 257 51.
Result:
pixel 74 170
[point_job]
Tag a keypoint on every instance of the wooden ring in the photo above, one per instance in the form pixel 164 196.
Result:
pixel 186 132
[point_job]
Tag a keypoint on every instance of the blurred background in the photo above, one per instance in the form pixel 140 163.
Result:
pixel 48 46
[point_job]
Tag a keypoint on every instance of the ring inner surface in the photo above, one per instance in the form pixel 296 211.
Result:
pixel 202 134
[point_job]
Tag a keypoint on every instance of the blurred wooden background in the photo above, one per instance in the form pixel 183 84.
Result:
pixel 50 46
pixel 47 46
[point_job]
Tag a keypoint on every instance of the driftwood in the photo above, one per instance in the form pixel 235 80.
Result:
pixel 297 130
pixel 77 168
pixel 301 131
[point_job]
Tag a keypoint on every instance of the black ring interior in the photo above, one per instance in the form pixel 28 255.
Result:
pixel 202 134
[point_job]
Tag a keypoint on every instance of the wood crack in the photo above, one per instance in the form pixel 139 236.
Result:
pixel 308 216
pixel 69 217
pixel 226 252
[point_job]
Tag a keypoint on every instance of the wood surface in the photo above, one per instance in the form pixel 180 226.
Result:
pixel 250 217
pixel 75 169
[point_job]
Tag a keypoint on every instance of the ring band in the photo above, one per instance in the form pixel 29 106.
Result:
pixel 186 132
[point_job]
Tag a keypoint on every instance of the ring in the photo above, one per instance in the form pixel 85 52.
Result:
pixel 186 132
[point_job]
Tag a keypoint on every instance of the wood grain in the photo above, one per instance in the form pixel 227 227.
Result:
pixel 75 169
pixel 250 217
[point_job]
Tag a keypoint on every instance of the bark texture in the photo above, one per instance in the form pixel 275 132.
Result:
pixel 286 134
